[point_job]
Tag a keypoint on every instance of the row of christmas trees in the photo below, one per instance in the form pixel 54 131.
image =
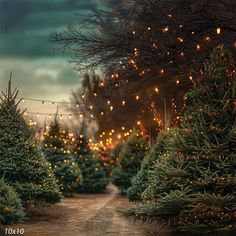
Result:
pixel 187 180
pixel 33 173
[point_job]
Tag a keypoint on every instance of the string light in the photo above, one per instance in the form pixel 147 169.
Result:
pixel 137 97
pixel 198 46
pixel 61 117
pixel 177 82
pixel 218 30
pixel 43 103
pixel 123 103
pixel 156 90
pixel 111 108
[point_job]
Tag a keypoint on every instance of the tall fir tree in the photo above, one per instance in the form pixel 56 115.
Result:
pixel 63 164
pixel 21 159
pixel 94 177
pixel 140 181
pixel 193 188
pixel 131 156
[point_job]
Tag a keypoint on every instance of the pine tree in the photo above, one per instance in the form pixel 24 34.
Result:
pixel 140 181
pixel 21 159
pixel 11 210
pixel 193 188
pixel 94 178
pixel 66 171
pixel 132 154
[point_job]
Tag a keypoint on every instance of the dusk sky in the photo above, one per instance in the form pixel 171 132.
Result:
pixel 39 71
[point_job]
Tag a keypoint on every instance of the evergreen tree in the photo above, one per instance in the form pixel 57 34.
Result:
pixel 132 154
pixel 94 178
pixel 193 188
pixel 140 181
pixel 11 210
pixel 21 159
pixel 67 173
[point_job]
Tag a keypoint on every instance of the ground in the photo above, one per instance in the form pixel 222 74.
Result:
pixel 87 215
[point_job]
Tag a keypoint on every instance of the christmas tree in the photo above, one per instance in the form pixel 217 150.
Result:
pixel 21 159
pixel 67 173
pixel 140 181
pixel 131 156
pixel 11 210
pixel 193 188
pixel 94 177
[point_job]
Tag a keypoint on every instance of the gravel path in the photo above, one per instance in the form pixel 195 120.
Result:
pixel 87 215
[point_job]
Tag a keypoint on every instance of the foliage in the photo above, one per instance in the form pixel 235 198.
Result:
pixel 132 154
pixel 140 181
pixel 63 164
pixel 11 210
pixel 193 187
pixel 94 177
pixel 21 160
pixel 142 45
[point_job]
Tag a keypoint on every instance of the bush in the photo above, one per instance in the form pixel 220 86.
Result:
pixel 11 210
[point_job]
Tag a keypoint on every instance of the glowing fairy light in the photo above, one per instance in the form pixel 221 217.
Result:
pixel 137 97
pixel 70 116
pixel 61 117
pixel 111 108
pixel 81 115
pixel 156 90
pixel 102 113
pixel 50 116
pixel 177 81
pixel 180 40
pixel 53 104
pixel 25 113
pixel 166 29
pixel 77 105
pixel 123 128
pixel 198 46
pixel 138 122
pixel 162 71
pixel 108 102
pixel 91 115
pixel 123 103
pixel 43 103
pixel 218 30
pixel 38 115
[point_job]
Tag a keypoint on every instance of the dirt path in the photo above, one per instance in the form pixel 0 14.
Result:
pixel 87 215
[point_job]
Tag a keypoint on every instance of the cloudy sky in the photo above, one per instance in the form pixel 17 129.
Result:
pixel 39 71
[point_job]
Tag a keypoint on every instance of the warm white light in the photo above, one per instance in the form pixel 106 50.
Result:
pixel 218 30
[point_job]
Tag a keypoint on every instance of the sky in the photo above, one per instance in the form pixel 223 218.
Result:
pixel 39 70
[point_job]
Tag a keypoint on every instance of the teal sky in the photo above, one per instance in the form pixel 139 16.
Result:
pixel 39 71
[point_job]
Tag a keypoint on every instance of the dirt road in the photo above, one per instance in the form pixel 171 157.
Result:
pixel 87 215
